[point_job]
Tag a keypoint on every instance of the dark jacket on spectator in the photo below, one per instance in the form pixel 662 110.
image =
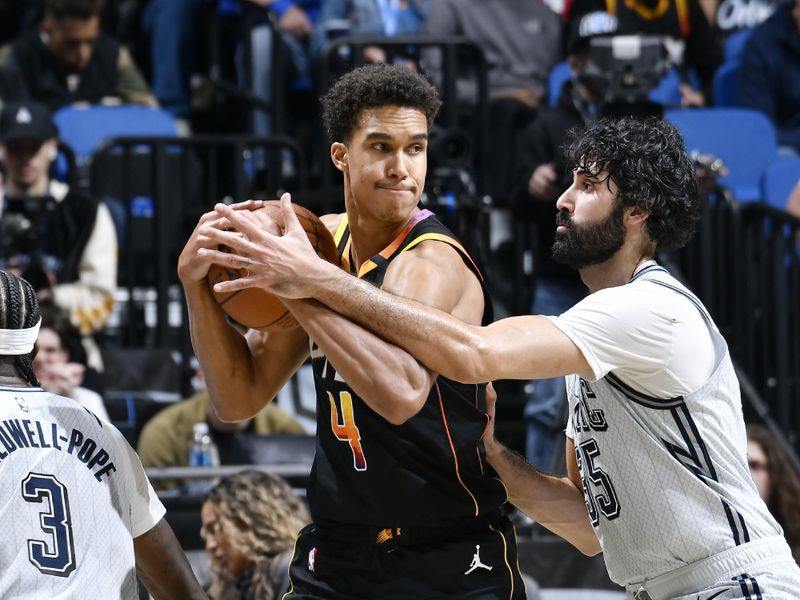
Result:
pixel 769 79
pixel 541 142
pixel 38 75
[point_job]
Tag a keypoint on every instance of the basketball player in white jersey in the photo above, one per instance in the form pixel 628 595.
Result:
pixel 78 516
pixel 656 446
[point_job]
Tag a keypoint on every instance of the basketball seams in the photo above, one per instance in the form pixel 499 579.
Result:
pixel 247 308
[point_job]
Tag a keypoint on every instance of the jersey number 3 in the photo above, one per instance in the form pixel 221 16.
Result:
pixel 55 521
pixel 345 429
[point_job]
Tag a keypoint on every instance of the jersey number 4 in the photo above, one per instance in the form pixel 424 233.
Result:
pixel 597 487
pixel 55 521
pixel 345 428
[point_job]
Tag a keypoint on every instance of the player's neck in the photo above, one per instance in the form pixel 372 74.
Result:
pixel 10 377
pixel 613 272
pixel 369 237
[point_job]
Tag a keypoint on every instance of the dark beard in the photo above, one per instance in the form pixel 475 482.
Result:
pixel 583 245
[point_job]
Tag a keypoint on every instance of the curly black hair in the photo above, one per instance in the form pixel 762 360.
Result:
pixel 73 9
pixel 373 86
pixel 647 161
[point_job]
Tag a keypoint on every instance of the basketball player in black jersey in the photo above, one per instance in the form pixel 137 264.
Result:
pixel 403 502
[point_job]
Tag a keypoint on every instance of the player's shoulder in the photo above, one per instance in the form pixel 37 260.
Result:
pixel 433 257
pixel 332 221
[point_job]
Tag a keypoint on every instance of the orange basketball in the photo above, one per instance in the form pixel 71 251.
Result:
pixel 256 308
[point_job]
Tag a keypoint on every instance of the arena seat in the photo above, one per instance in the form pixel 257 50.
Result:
pixel 744 139
pixel 726 83
pixel 778 181
pixel 559 75
pixel 85 127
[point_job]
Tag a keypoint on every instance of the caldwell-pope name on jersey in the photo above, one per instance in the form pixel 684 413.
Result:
pixel 19 434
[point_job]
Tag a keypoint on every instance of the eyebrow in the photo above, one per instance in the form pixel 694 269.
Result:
pixel 582 172
pixel 385 136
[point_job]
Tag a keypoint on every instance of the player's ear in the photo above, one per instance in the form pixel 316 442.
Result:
pixel 638 214
pixel 339 156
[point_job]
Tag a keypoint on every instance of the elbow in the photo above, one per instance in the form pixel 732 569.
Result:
pixel 472 365
pixel 589 547
pixel 228 412
pixel 403 409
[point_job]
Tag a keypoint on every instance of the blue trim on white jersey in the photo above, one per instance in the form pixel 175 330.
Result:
pixel 649 269
pixel 21 388
pixel 749 587
pixel 639 397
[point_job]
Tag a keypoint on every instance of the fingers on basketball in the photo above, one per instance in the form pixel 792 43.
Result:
pixel 254 307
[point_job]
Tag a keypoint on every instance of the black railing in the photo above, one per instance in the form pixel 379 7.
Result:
pixel 164 185
pixel 744 263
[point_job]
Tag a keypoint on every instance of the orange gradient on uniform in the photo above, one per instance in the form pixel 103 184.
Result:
pixel 346 430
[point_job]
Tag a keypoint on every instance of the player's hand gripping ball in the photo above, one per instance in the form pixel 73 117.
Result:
pixel 257 308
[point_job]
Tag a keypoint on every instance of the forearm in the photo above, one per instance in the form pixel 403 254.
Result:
pixel 223 355
pixel 556 503
pixel 162 565
pixel 411 325
pixel 386 377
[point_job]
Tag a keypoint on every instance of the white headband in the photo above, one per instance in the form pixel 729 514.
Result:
pixel 18 341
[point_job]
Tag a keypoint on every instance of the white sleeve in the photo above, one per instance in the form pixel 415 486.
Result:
pixel 620 329
pixel 146 509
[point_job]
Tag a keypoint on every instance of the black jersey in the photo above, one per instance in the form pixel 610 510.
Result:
pixel 425 472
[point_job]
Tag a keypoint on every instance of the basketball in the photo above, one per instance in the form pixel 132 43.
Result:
pixel 256 308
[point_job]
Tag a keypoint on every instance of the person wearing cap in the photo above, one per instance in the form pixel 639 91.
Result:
pixel 539 178
pixel 688 36
pixel 79 516
pixel 69 59
pixel 62 239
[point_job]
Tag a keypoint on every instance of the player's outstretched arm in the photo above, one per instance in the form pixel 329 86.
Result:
pixel 516 348
pixel 556 503
pixel 162 565
pixel 391 381
pixel 242 374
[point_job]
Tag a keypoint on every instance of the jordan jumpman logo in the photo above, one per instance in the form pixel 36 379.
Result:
pixel 476 562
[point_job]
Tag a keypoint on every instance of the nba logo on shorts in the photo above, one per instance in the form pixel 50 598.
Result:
pixel 312 555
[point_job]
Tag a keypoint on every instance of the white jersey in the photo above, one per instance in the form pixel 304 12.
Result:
pixel 665 477
pixel 74 497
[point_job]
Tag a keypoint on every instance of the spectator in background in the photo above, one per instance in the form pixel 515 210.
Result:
pixel 539 178
pixel 250 521
pixel 70 60
pixel 296 20
pixel 387 18
pixel 769 79
pixel 56 370
pixel 777 482
pixel 689 39
pixel 172 27
pixel 63 241
pixel 522 42
pixel 164 441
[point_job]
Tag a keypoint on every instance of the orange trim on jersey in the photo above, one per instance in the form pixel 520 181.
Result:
pixel 453 450
pixel 611 6
pixel 505 560
pixel 368 265
pixel 337 237
pixel 344 258
pixel 447 240
pixel 682 6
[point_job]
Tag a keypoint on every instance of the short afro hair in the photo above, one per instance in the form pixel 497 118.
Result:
pixel 73 9
pixel 647 161
pixel 373 86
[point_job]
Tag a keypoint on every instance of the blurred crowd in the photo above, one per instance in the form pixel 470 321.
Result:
pixel 225 66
